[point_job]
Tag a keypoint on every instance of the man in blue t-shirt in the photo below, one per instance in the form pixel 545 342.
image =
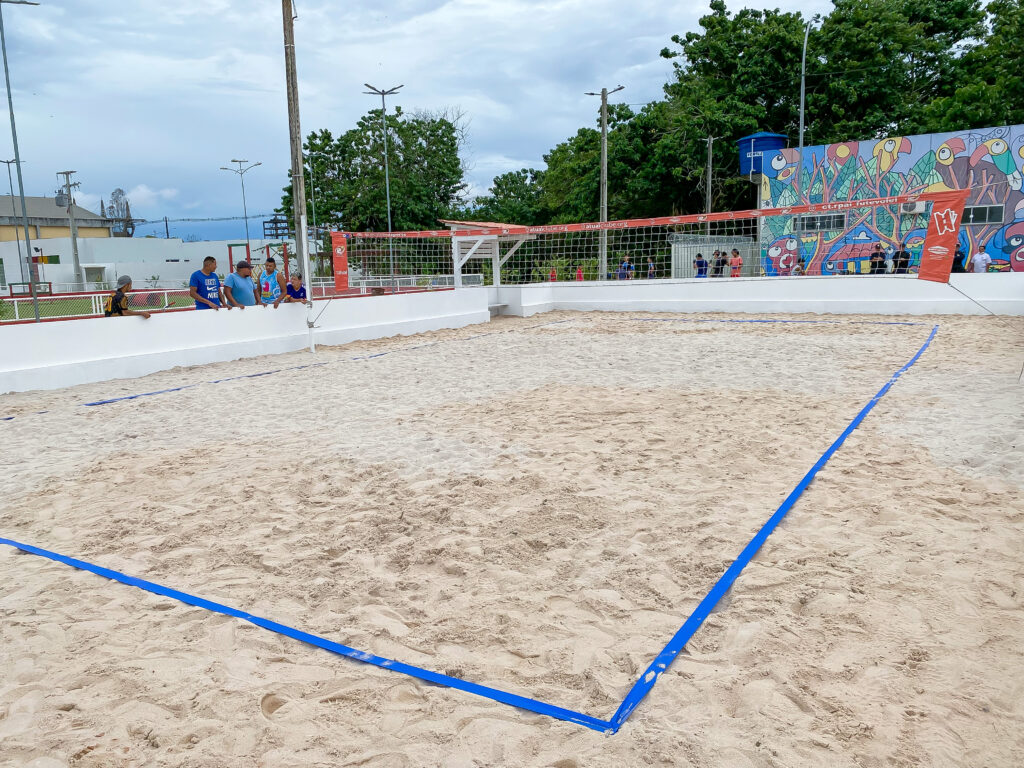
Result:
pixel 295 289
pixel 204 286
pixel 239 289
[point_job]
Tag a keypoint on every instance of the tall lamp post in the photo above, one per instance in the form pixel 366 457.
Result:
pixel 387 177
pixel 245 213
pixel 14 215
pixel 603 256
pixel 17 156
pixel 312 199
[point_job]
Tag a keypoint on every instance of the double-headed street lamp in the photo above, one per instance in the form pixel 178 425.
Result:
pixel 241 177
pixel 387 178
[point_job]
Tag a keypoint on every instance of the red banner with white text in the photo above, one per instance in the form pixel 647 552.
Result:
pixel 943 233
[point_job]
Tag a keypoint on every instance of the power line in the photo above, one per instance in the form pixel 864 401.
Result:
pixel 143 222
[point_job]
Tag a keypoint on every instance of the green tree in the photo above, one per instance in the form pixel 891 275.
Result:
pixel 514 198
pixel 427 175
pixel 989 84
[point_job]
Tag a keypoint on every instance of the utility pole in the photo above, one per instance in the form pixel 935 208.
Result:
pixel 17 158
pixel 14 215
pixel 707 190
pixel 387 176
pixel 68 187
pixel 603 253
pixel 295 135
pixel 167 229
pixel 245 213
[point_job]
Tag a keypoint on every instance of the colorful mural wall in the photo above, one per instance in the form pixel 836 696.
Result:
pixel 989 162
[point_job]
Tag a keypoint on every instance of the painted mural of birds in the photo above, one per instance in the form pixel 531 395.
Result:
pixel 777 172
pixel 887 152
pixel 998 151
pixel 945 157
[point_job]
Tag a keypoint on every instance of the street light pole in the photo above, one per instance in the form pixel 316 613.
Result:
pixel 245 213
pixel 603 254
pixel 387 177
pixel 803 96
pixel 14 215
pixel 17 157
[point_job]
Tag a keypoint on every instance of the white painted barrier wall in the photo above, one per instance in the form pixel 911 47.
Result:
pixel 61 354
pixel 890 295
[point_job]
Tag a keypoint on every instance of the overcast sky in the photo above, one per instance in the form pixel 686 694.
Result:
pixel 154 96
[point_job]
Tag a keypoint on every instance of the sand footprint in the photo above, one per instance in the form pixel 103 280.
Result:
pixel 270 703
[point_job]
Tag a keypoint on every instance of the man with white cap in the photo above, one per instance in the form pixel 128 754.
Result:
pixel 117 302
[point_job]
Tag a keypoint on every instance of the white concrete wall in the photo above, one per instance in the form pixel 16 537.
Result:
pixel 61 354
pixel 1002 293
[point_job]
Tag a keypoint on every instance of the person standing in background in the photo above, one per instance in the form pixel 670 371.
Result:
pixel 701 265
pixel 735 263
pixel 980 262
pixel 650 268
pixel 959 261
pixel 878 260
pixel 901 260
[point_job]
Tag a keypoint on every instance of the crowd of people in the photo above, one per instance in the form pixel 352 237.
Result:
pixel 240 289
pixel 719 262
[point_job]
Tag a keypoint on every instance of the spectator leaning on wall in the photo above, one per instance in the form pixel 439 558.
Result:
pixel 117 302
pixel 204 286
pixel 296 291
pixel 239 289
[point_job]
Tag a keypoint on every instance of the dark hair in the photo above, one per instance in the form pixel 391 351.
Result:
pixel 209 258
pixel 271 260
pixel 700 255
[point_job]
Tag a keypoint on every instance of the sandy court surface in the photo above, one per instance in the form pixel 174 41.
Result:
pixel 536 505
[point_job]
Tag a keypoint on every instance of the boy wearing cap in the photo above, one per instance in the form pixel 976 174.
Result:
pixel 117 302
pixel 239 289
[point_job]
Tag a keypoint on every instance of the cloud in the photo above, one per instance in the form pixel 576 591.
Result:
pixel 154 97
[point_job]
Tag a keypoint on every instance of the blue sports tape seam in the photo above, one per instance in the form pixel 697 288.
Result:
pixel 662 661
pixel 487 692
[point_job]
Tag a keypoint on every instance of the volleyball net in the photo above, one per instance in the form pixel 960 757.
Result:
pixel 911 235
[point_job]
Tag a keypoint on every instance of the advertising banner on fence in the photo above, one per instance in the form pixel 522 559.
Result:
pixel 339 246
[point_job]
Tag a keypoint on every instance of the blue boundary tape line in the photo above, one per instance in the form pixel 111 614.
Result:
pixel 642 686
pixel 437 678
pixel 662 661
pixel 110 400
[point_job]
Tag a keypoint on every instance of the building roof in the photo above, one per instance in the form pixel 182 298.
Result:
pixel 46 208
pixel 478 224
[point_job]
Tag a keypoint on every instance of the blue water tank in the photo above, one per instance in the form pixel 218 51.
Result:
pixel 757 145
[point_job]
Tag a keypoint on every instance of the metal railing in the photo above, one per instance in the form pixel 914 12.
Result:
pixel 69 306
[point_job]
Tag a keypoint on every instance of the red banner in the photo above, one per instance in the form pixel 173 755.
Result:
pixel 339 245
pixel 943 233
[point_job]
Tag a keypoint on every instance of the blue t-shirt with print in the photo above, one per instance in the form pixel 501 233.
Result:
pixel 207 286
pixel 299 294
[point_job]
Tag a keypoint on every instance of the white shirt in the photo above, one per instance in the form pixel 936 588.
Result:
pixel 980 261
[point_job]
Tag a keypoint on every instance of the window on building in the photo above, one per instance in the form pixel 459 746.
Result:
pixel 826 222
pixel 983 214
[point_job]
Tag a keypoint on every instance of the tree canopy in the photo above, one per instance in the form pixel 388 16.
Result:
pixel 874 68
